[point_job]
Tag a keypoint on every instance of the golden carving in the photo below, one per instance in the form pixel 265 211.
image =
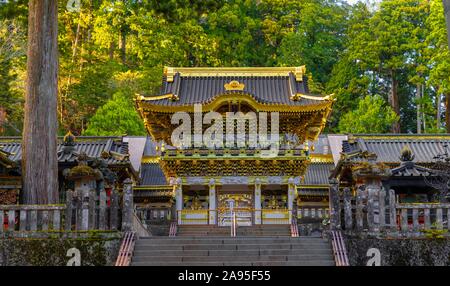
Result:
pixel 150 160
pixel 298 96
pixel 234 85
pixel 321 158
pixel 170 72
pixel 196 203
pixel 144 104
pixel 158 97
pixel 273 203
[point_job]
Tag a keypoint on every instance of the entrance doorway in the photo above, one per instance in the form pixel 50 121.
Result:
pixel 240 204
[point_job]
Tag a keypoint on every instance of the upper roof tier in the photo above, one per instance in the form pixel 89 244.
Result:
pixel 286 86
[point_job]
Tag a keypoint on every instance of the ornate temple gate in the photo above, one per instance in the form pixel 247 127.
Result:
pixel 236 163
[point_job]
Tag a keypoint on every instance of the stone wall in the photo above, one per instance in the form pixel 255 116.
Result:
pixel 94 251
pixel 400 252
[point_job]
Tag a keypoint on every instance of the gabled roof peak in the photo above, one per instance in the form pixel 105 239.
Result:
pixel 298 72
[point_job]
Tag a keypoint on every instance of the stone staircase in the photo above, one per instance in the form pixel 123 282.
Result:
pixel 232 251
pixel 214 231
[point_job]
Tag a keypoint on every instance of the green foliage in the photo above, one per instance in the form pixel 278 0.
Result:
pixel 437 48
pixel 318 39
pixel 434 233
pixel 117 117
pixel 119 47
pixel 371 116
pixel 12 50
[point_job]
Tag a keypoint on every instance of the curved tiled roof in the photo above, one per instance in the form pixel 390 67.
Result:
pixel 270 89
pixel 267 85
pixel 152 175
pixel 317 174
pixel 92 146
pixel 388 147
pixel 411 171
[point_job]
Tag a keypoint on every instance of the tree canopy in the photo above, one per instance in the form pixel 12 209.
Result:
pixel 392 54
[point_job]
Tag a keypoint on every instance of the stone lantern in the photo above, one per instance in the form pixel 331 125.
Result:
pixel 83 176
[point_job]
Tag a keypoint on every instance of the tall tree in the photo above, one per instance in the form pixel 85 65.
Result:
pixel 439 55
pixel 371 116
pixel 318 39
pixel 117 117
pixel 39 147
pixel 447 18
pixel 388 44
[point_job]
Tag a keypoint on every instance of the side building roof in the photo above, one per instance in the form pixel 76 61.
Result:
pixel 113 149
pixel 388 147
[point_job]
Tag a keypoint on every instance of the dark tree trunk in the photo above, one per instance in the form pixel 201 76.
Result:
pixel 393 101
pixel 39 157
pixel 447 18
pixel 419 111
pixel 447 112
pixel 123 46
pixel 112 47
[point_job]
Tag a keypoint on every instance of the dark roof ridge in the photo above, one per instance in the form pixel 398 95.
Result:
pixel 62 137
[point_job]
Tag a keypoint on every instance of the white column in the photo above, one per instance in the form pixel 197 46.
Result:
pixel 178 198
pixel 291 196
pixel 257 201
pixel 212 202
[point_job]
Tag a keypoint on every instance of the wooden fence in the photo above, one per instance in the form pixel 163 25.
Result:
pixel 83 211
pixel 312 213
pixel 378 212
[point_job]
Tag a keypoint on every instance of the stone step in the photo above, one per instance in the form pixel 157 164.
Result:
pixel 234 241
pixel 265 234
pixel 155 239
pixel 231 258
pixel 229 247
pixel 241 226
pixel 233 252
pixel 227 229
pixel 211 246
pixel 240 263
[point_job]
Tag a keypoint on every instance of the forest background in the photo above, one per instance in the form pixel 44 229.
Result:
pixel 388 63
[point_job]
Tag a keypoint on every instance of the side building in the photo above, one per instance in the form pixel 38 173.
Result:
pixel 108 155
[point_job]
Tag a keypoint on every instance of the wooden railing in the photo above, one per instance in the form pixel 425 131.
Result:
pixel 193 216
pixel 294 227
pixel 424 216
pixel 82 212
pixel 173 229
pixel 126 249
pixel 31 218
pixel 275 216
pixel 339 249
pixel 233 223
pixel 380 213
pixel 312 212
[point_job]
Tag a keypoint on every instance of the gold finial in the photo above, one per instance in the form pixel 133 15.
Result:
pixel 234 85
pixel 306 146
pixel 406 154
pixel 69 139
